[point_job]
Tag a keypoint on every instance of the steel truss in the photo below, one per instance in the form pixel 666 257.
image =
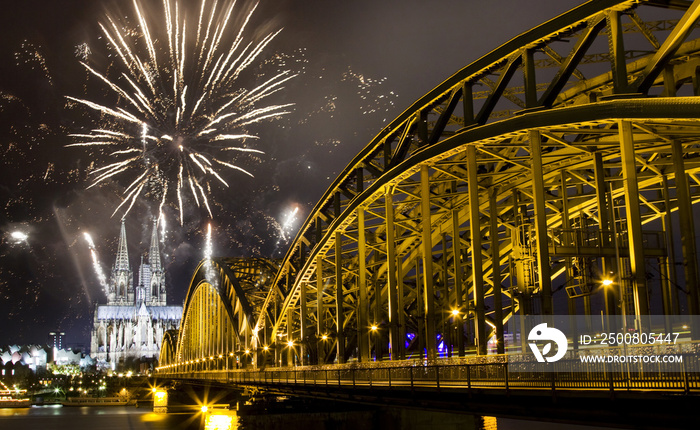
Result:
pixel 513 188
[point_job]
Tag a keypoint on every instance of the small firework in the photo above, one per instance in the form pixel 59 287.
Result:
pixel 83 51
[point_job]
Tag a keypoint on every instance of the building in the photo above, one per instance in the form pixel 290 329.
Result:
pixel 56 339
pixel 129 329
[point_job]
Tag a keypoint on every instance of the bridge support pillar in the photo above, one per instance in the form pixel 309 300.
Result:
pixel 496 270
pixel 320 314
pixel 462 315
pixel 685 216
pixel 566 235
pixel 291 345
pixel 477 261
pixel 604 227
pixel 339 311
pixel 543 267
pixel 634 224
pixel 363 302
pixel 303 329
pixel 672 280
pixel 428 285
pixel 392 287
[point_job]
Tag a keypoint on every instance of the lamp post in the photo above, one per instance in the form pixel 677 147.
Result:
pixel 608 283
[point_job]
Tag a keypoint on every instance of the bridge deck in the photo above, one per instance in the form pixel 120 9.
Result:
pixel 612 378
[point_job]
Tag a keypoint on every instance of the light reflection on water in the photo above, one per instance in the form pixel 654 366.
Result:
pixel 101 418
pixel 123 417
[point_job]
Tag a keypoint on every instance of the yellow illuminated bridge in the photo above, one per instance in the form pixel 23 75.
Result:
pixel 555 175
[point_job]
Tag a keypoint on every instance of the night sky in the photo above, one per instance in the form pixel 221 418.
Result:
pixel 359 64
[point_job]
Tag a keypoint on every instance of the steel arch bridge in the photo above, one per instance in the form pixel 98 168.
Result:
pixel 564 157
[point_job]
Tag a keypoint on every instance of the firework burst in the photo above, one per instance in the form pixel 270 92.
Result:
pixel 181 114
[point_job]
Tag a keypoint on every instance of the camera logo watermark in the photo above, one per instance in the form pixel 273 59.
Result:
pixel 551 335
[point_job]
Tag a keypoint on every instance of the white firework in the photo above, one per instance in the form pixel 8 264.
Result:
pixel 96 262
pixel 181 113
pixel 209 271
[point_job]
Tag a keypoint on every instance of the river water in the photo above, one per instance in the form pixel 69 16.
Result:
pixel 124 417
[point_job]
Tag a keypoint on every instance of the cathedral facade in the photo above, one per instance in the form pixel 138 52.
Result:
pixel 130 327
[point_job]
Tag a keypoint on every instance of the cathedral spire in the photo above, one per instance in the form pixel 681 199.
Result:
pixel 122 283
pixel 122 262
pixel 154 251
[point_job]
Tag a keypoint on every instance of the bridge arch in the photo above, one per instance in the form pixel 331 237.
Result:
pixel 575 165
pixel 168 348
pixel 513 188
pixel 219 309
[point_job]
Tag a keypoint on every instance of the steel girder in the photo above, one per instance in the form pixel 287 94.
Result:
pixel 391 245
pixel 477 205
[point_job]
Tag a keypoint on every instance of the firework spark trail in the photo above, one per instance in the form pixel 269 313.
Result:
pixel 208 263
pixel 161 220
pixel 96 262
pixel 180 104
pixel 291 217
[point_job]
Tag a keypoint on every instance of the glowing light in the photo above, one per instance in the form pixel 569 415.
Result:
pixel 218 421
pixel 247 351
pixel 265 348
pixel 374 328
pixel 290 343
pixel 181 109
pixel 607 282
pixel 204 409
pixel 324 337
pixel 19 236
pixel 455 312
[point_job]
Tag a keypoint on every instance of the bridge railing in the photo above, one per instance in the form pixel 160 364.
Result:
pixel 498 375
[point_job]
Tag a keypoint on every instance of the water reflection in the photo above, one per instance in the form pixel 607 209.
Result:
pixel 121 417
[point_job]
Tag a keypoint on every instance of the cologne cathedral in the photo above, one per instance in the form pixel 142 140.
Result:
pixel 129 329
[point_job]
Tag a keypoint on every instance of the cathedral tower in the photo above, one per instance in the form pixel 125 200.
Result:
pixel 157 281
pixel 121 286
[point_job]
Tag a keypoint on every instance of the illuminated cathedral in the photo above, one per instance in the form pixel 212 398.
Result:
pixel 129 329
